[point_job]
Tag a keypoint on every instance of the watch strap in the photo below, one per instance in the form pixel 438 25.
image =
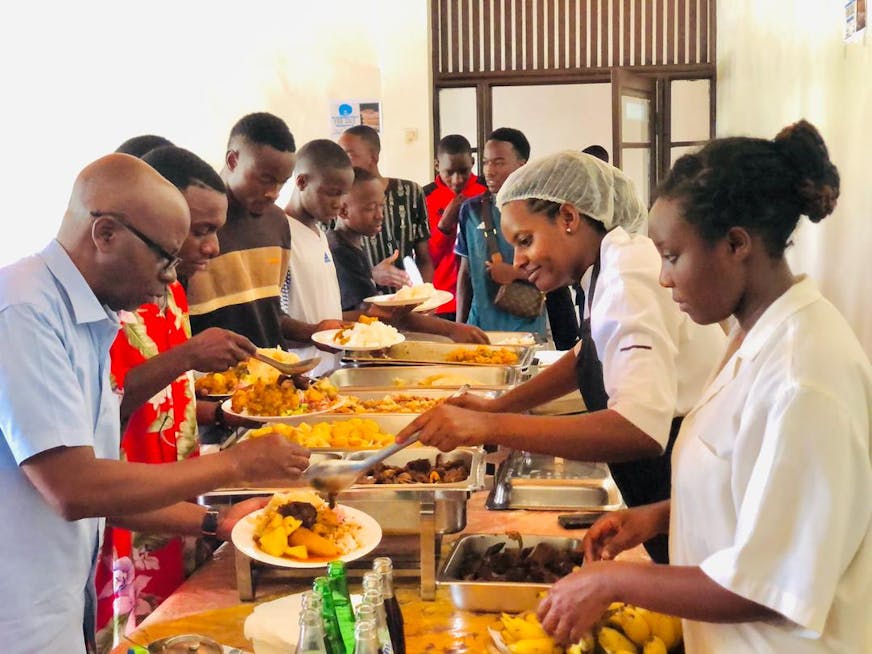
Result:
pixel 209 526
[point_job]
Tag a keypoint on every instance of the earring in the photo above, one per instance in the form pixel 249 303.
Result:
pixel 568 230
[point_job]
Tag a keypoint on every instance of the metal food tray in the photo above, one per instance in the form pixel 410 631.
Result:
pixel 389 423
pixel 423 512
pixel 402 378
pixel 494 596
pixel 379 393
pixel 424 352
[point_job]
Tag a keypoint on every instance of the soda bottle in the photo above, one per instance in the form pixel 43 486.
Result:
pixel 365 639
pixel 311 639
pixel 342 602
pixel 372 599
pixel 332 633
pixel 394 615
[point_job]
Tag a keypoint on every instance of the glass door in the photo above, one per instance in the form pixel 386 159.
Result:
pixel 633 129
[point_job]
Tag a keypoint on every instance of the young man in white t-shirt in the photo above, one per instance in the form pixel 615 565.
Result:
pixel 323 174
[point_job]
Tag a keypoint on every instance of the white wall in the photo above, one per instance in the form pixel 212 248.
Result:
pixel 80 78
pixel 779 62
pixel 556 117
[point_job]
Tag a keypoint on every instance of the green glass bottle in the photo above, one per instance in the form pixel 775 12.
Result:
pixel 332 633
pixel 342 602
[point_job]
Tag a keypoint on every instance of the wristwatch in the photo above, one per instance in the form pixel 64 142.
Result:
pixel 219 417
pixel 209 526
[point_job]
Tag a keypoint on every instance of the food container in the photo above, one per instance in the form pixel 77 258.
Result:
pixel 415 514
pixel 494 596
pixel 348 380
pixel 424 352
pixel 389 423
pixel 380 393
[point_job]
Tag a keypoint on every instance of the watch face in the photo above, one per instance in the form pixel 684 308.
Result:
pixel 209 526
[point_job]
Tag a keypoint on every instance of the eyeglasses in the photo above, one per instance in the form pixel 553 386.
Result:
pixel 170 260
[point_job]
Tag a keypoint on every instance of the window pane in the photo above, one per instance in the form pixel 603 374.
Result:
pixel 637 166
pixel 675 153
pixel 458 114
pixel 690 109
pixel 634 119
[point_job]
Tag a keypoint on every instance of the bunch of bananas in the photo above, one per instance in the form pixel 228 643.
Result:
pixel 624 629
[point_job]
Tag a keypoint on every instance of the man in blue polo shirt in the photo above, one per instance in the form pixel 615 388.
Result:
pixel 59 470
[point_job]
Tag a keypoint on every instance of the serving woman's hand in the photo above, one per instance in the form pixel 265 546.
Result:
pixel 576 603
pixel 618 531
pixel 448 427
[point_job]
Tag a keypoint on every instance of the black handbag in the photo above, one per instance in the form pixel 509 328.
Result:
pixel 519 298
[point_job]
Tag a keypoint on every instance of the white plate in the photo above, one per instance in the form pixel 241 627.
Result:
pixel 391 300
pixel 326 338
pixel 435 301
pixel 226 406
pixel 369 535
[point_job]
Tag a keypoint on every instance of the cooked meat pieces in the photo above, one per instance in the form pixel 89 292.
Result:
pixel 542 563
pixel 419 471
pixel 302 511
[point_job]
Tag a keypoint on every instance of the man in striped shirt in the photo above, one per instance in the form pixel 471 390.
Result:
pixel 406 229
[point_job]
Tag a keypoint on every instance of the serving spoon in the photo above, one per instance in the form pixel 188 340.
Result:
pixel 289 369
pixel 332 476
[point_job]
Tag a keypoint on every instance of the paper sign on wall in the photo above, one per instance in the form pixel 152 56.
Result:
pixel 855 19
pixel 348 113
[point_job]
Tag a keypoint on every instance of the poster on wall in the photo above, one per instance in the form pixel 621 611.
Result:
pixel 855 19
pixel 348 113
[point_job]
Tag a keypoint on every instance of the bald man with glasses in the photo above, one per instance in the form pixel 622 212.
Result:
pixel 60 477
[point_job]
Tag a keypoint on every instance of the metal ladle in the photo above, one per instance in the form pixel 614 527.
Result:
pixel 334 476
pixel 289 369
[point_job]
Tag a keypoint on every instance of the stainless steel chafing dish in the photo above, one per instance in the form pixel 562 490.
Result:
pixel 408 377
pixel 494 596
pixel 417 511
pixel 427 352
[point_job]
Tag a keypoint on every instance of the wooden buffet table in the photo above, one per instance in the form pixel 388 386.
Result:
pixel 208 602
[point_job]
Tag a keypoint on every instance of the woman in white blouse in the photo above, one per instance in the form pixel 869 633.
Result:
pixel 640 364
pixel 770 515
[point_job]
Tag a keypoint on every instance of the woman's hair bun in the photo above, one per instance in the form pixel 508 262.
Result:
pixel 817 178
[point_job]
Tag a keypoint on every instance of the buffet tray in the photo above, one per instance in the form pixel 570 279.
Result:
pixel 402 378
pixel 494 596
pixel 429 352
pixel 396 507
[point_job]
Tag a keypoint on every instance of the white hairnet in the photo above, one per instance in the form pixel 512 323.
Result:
pixel 597 189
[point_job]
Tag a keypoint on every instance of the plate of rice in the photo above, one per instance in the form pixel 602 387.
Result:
pixel 298 529
pixel 406 296
pixel 362 336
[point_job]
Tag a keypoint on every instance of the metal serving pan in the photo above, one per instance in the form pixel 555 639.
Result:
pixel 396 507
pixel 408 377
pixel 494 596
pixel 379 393
pixel 425 352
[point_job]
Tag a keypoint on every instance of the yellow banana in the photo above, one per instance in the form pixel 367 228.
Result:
pixel 586 644
pixel 521 629
pixel 654 646
pixel 532 646
pixel 613 641
pixel 664 627
pixel 634 625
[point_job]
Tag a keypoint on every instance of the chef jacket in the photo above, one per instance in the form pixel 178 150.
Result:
pixel 772 484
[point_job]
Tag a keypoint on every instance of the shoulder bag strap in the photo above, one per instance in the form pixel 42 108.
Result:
pixel 490 233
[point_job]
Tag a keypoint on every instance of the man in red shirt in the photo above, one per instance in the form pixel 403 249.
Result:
pixel 454 184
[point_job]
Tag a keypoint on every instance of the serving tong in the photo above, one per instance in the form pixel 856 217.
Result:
pixel 289 369
pixel 333 476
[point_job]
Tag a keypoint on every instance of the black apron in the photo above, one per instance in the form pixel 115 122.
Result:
pixel 643 481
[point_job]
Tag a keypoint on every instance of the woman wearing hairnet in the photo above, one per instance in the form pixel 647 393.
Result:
pixel 640 364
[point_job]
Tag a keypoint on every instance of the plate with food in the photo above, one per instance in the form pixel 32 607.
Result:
pixel 221 385
pixel 406 296
pixel 434 302
pixel 366 335
pixel 298 529
pixel 282 401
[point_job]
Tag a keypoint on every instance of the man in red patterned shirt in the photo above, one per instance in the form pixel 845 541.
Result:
pixel 454 183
